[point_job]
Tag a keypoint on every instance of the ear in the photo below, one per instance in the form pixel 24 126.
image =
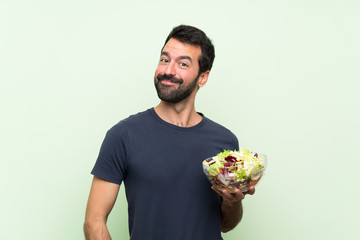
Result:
pixel 203 78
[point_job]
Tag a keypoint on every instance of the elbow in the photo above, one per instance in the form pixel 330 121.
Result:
pixel 227 227
pixel 95 229
pixel 90 227
pixel 225 230
pixel 88 224
pixel 87 228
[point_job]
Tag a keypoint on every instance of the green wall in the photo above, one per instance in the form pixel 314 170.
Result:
pixel 285 81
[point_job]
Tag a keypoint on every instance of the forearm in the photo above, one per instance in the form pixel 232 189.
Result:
pixel 96 231
pixel 101 200
pixel 230 216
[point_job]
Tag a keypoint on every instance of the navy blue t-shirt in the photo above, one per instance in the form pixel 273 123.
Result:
pixel 169 196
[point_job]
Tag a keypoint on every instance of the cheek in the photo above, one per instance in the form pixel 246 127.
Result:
pixel 187 77
pixel 157 71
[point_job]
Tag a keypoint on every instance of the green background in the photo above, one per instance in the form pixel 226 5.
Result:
pixel 285 81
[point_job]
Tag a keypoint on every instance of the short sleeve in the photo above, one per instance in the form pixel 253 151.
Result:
pixel 111 162
pixel 235 142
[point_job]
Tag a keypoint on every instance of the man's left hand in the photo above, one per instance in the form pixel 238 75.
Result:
pixel 234 198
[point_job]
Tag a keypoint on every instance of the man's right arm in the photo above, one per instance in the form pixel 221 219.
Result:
pixel 102 198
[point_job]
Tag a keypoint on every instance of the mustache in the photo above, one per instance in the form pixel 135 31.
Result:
pixel 161 77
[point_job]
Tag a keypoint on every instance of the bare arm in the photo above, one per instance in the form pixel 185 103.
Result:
pixel 231 207
pixel 101 201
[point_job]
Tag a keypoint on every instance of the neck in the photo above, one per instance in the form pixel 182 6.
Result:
pixel 181 114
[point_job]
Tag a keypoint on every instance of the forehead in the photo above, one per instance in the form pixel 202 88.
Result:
pixel 175 48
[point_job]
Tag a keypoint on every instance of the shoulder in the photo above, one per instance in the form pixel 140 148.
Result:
pixel 215 129
pixel 217 126
pixel 131 122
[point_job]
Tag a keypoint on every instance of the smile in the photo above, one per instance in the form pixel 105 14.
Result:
pixel 168 82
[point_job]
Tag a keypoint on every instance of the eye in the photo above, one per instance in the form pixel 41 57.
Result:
pixel 164 60
pixel 184 64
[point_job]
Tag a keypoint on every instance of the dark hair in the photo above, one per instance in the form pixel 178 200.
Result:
pixel 194 36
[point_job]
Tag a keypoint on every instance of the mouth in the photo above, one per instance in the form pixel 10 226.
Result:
pixel 168 82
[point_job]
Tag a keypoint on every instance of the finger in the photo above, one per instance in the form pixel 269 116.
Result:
pixel 239 194
pixel 227 194
pixel 251 190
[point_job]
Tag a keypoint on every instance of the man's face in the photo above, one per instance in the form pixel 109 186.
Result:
pixel 176 76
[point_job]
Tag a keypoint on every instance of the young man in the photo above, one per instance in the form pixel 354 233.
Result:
pixel 158 155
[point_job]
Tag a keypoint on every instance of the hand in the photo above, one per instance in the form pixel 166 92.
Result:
pixel 234 198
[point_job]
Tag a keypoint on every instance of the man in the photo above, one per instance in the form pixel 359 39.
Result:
pixel 158 154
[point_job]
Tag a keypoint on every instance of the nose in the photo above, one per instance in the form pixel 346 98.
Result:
pixel 170 69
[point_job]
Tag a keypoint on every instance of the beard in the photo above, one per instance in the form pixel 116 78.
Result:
pixel 168 93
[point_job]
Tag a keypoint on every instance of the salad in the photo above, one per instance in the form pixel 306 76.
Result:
pixel 234 169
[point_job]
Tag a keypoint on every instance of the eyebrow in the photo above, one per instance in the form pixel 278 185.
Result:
pixel 181 57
